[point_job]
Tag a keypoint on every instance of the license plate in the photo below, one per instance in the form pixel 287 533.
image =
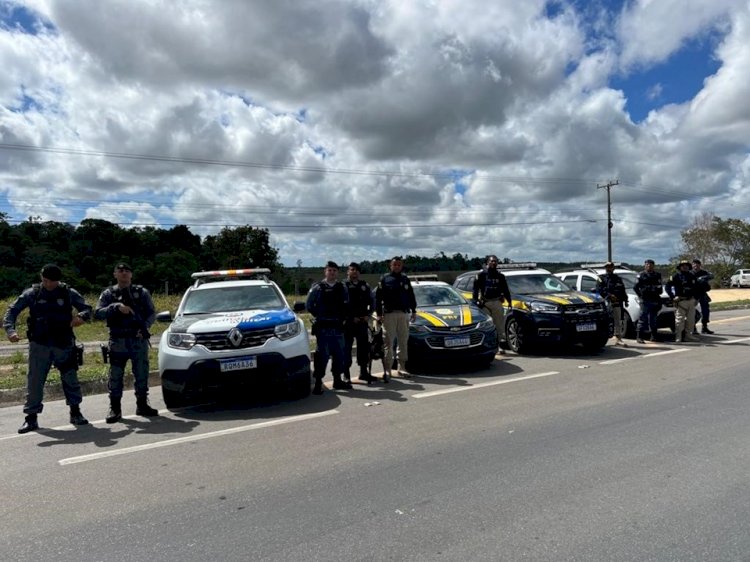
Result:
pixel 238 364
pixel 457 342
pixel 586 327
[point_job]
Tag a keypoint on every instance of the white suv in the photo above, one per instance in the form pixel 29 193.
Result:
pixel 741 278
pixel 585 279
pixel 233 327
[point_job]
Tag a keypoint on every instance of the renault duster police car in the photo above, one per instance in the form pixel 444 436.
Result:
pixel 233 327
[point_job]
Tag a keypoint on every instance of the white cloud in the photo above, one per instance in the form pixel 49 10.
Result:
pixel 338 123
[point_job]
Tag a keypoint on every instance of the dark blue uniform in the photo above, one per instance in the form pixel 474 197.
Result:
pixel 51 340
pixel 329 306
pixel 702 287
pixel 360 308
pixel 648 287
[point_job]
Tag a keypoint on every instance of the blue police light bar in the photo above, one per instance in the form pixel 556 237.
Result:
pixel 517 265
pixel 225 274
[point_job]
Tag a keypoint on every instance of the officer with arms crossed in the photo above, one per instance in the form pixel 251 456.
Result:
pixel 612 288
pixel 129 312
pixel 681 289
pixel 51 342
pixel 395 306
pixel 328 302
pixel 490 290
pixel 360 308
pixel 648 287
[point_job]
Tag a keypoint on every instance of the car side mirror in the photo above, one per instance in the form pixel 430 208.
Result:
pixel 299 307
pixel 164 316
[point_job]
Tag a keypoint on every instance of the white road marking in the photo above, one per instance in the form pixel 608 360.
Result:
pixel 481 385
pixel 190 438
pixel 646 356
pixel 736 341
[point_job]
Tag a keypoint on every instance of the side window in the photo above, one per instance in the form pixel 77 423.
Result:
pixel 588 284
pixel 571 280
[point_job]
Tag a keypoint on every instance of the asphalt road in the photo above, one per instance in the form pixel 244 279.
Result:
pixel 633 454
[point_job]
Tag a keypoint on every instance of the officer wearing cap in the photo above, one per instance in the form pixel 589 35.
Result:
pixel 702 287
pixel 360 308
pixel 612 288
pixel 328 302
pixel 129 312
pixel 681 288
pixel 395 306
pixel 648 287
pixel 51 342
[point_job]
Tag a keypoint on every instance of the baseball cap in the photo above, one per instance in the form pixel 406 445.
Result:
pixel 123 266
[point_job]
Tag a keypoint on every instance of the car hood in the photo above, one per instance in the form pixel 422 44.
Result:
pixel 449 316
pixel 564 298
pixel 225 321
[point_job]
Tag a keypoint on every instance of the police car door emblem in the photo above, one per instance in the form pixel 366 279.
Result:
pixel 235 337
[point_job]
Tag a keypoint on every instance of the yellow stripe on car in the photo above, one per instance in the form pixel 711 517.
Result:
pixel 432 319
pixel 465 315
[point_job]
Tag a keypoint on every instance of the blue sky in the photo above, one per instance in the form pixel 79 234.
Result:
pixel 474 127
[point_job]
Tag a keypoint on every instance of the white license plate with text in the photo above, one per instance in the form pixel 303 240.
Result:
pixel 457 342
pixel 586 327
pixel 240 364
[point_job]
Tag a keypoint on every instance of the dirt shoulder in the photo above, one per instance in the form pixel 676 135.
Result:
pixel 729 295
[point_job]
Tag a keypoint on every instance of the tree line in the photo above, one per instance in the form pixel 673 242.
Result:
pixel 163 259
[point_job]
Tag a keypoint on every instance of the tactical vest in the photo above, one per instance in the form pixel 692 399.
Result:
pixel 332 308
pixel 492 284
pixel 395 293
pixel 50 316
pixel 360 298
pixel 127 325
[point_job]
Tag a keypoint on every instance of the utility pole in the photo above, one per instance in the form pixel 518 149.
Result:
pixel 608 186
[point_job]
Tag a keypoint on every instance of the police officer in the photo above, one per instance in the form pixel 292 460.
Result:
pixel 490 291
pixel 681 289
pixel 51 342
pixel 360 308
pixel 702 287
pixel 612 288
pixel 328 302
pixel 648 287
pixel 129 312
pixel 395 307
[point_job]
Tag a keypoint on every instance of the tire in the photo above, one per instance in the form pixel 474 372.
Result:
pixel 300 387
pixel 596 345
pixel 629 325
pixel 515 336
pixel 173 399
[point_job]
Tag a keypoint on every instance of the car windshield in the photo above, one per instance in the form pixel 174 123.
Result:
pixel 232 299
pixel 535 283
pixel 437 295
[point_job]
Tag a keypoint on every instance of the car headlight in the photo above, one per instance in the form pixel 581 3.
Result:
pixel 286 331
pixel 180 341
pixel 486 324
pixel 544 307
pixel 418 328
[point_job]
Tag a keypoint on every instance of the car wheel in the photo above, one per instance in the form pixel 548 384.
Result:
pixel 629 325
pixel 515 336
pixel 300 387
pixel 173 399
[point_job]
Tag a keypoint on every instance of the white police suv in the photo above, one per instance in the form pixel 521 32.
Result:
pixel 233 328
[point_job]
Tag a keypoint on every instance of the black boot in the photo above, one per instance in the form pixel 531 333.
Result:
pixel 339 384
pixel 29 424
pixel 318 387
pixel 76 417
pixel 364 376
pixel 142 408
pixel 705 330
pixel 347 377
pixel 115 411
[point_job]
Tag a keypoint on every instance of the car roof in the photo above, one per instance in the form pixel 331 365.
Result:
pixel 513 272
pixel 431 284
pixel 231 283
pixel 597 271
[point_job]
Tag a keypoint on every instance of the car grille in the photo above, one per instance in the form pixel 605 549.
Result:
pixel 218 341
pixel 584 308
pixel 453 329
pixel 438 342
